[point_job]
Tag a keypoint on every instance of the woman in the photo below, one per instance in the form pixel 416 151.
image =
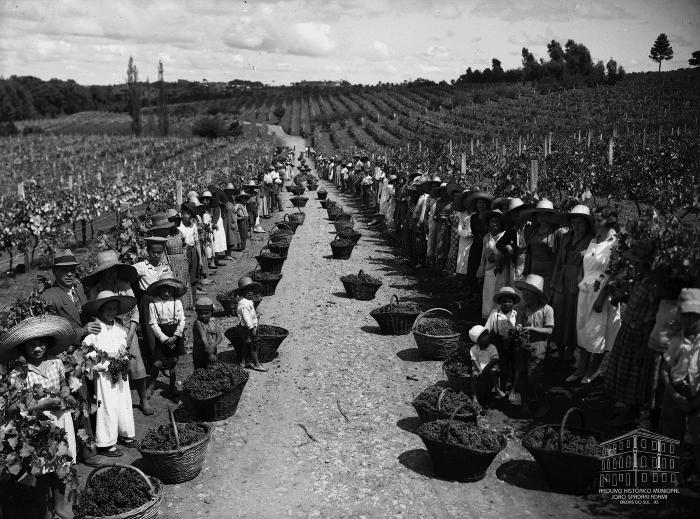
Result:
pixel 494 267
pixel 478 204
pixel 176 254
pixel 233 235
pixel 218 241
pixel 190 235
pixel 541 242
pixel 112 275
pixel 513 241
pixel 568 272
pixel 454 238
pixel 464 232
pixel 597 320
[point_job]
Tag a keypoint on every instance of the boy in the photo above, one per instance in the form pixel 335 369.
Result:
pixel 206 334
pixel 500 323
pixel 249 323
pixel 484 357
pixel 681 374
pixel 536 317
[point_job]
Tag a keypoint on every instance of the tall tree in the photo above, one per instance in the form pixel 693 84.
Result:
pixel 162 103
pixel 556 53
pixel 694 60
pixel 661 50
pixel 132 83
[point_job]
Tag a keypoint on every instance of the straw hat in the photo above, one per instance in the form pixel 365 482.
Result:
pixel 204 303
pixel 243 194
pixel 230 187
pixel 247 283
pixel 159 221
pixel 48 325
pixel 192 194
pixel 155 240
pixel 500 203
pixel 452 188
pixel 689 301
pixel 195 201
pixel 506 292
pixel 167 279
pixel 190 207
pixel 543 207
pixel 477 195
pixel 172 214
pixel 126 303
pixel 476 331
pixel 251 185
pixel 107 260
pixel 581 211
pixel 495 213
pixel 64 258
pixel 206 194
pixel 532 283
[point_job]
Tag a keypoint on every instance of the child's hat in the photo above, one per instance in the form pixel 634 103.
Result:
pixel 204 303
pixel 126 303
pixel 506 292
pixel 689 301
pixel 476 331
pixel 159 221
pixel 57 328
pixel 155 240
pixel 64 258
pixel 172 214
pixel 532 283
pixel 107 260
pixel 167 279
pixel 247 283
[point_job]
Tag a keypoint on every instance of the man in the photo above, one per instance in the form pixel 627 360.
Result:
pixel 276 187
pixel 344 175
pixel 379 177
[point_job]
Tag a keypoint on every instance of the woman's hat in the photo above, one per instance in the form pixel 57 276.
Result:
pixel 452 188
pixel 190 207
pixel 689 301
pixel 192 194
pixel 247 283
pixel 172 214
pixel 48 325
pixel 243 194
pixel 159 221
pixel 206 194
pixel 477 195
pixel 500 203
pixel 476 331
pixel 64 258
pixel 532 283
pixel 126 303
pixel 506 292
pixel 194 200
pixel 496 213
pixel 543 207
pixel 204 303
pixel 251 185
pixel 581 211
pixel 230 187
pixel 107 260
pixel 167 279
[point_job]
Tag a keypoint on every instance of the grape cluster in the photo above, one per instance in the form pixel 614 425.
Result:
pixel 162 438
pixel 112 492
pixel 462 433
pixel 213 381
pixel 437 326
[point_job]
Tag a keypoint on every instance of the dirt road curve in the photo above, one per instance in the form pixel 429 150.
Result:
pixel 262 463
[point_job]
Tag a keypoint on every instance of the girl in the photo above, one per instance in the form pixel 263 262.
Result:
pixel 167 322
pixel 218 232
pixel 249 323
pixel 190 236
pixel 499 324
pixel 242 216
pixel 484 357
pixel 206 334
pixel 233 233
pixel 115 417
pixel 177 258
pixel 494 270
pixel 541 242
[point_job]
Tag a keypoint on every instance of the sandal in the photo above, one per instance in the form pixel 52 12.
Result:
pixel 111 452
pixel 127 442
pixel 262 369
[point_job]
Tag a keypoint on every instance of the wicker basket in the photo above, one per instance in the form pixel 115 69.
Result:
pixel 459 462
pixel 148 510
pixel 280 247
pixel 312 187
pixel 566 471
pixel 360 291
pixel 393 322
pixel 322 195
pixel 179 465
pixel 435 347
pixel 281 237
pixel 457 381
pixel 299 201
pixel 350 234
pixel 267 344
pixel 297 190
pixel 427 414
pixel 269 285
pixel 297 217
pixel 287 226
pixel 289 189
pixel 221 406
pixel 324 203
pixel 270 264
pixel 342 252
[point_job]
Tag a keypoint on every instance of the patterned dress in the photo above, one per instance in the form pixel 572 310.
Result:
pixel 177 257
pixel 451 262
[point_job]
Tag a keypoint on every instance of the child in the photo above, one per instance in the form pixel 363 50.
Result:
pixel 484 357
pixel 115 417
pixel 500 323
pixel 536 317
pixel 206 334
pixel 681 407
pixel 167 321
pixel 249 323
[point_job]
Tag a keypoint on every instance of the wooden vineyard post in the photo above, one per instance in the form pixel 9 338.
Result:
pixel 20 190
pixel 99 178
pixel 588 144
pixel 119 177
pixel 520 145
pixel 644 138
pixel 420 146
pixel 545 146
pixel 534 170
pixel 178 192
pixel 611 148
pixel 549 149
pixel 70 182
pixel 464 165
pixel 471 147
pixel 659 139
pixel 207 177
pixel 450 146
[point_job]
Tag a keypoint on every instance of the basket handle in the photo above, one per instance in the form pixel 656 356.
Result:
pixel 171 415
pixel 446 430
pixel 391 300
pixel 151 488
pixel 566 419
pixel 227 369
pixel 431 310
pixel 442 395
pixel 286 216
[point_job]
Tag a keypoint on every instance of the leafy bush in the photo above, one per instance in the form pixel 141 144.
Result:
pixel 209 127
pixel 29 130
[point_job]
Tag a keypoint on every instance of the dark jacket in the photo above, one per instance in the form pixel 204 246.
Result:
pixel 62 305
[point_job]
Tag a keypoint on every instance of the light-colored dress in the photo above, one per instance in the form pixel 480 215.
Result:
pixel 493 281
pixel 115 416
pixel 220 236
pixel 595 331
pixel 466 238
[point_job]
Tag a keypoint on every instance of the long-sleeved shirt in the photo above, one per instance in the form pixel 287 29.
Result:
pixel 683 358
pixel 166 312
pixel 149 273
pixel 246 312
pixel 419 211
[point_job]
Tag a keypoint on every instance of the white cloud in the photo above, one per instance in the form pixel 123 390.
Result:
pixel 381 48
pixel 437 52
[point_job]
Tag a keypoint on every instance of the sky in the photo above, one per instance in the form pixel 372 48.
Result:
pixel 361 41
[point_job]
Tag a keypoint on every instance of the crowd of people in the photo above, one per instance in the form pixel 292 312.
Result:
pixel 540 279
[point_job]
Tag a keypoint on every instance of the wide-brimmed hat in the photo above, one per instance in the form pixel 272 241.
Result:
pixel 251 185
pixel 580 211
pixel 206 194
pixel 64 258
pixel 689 301
pixel 544 206
pixel 495 213
pixel 247 283
pixel 107 260
pixel 438 191
pixel 126 303
pixel 476 331
pixel 172 214
pixel 230 187
pixel 195 201
pixel 500 203
pixel 477 195
pixel 190 207
pixel 159 221
pixel 506 292
pixel 192 194
pixel 532 283
pixel 155 240
pixel 641 251
pixel 48 325
pixel 167 279
pixel 243 194
pixel 204 303
pixel 453 188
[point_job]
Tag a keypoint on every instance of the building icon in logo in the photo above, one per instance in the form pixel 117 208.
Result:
pixel 640 459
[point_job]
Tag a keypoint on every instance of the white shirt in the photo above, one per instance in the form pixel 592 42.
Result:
pixel 166 312
pixel 111 340
pixel 190 234
pixel 499 323
pixel 149 273
pixel 378 173
pixel 483 357
pixel 267 178
pixel 246 312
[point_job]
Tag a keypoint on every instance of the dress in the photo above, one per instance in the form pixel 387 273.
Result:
pixel 625 378
pixel 466 239
pixel 540 255
pixel 451 261
pixel 495 271
pixel 115 416
pixel 219 232
pixel 177 257
pixel 200 356
pixel 233 237
pixel 568 270
pixel 595 331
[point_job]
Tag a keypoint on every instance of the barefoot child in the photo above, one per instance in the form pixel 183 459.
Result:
pixel 115 417
pixel 500 322
pixel 167 321
pixel 484 357
pixel 536 317
pixel 206 334
pixel 249 323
